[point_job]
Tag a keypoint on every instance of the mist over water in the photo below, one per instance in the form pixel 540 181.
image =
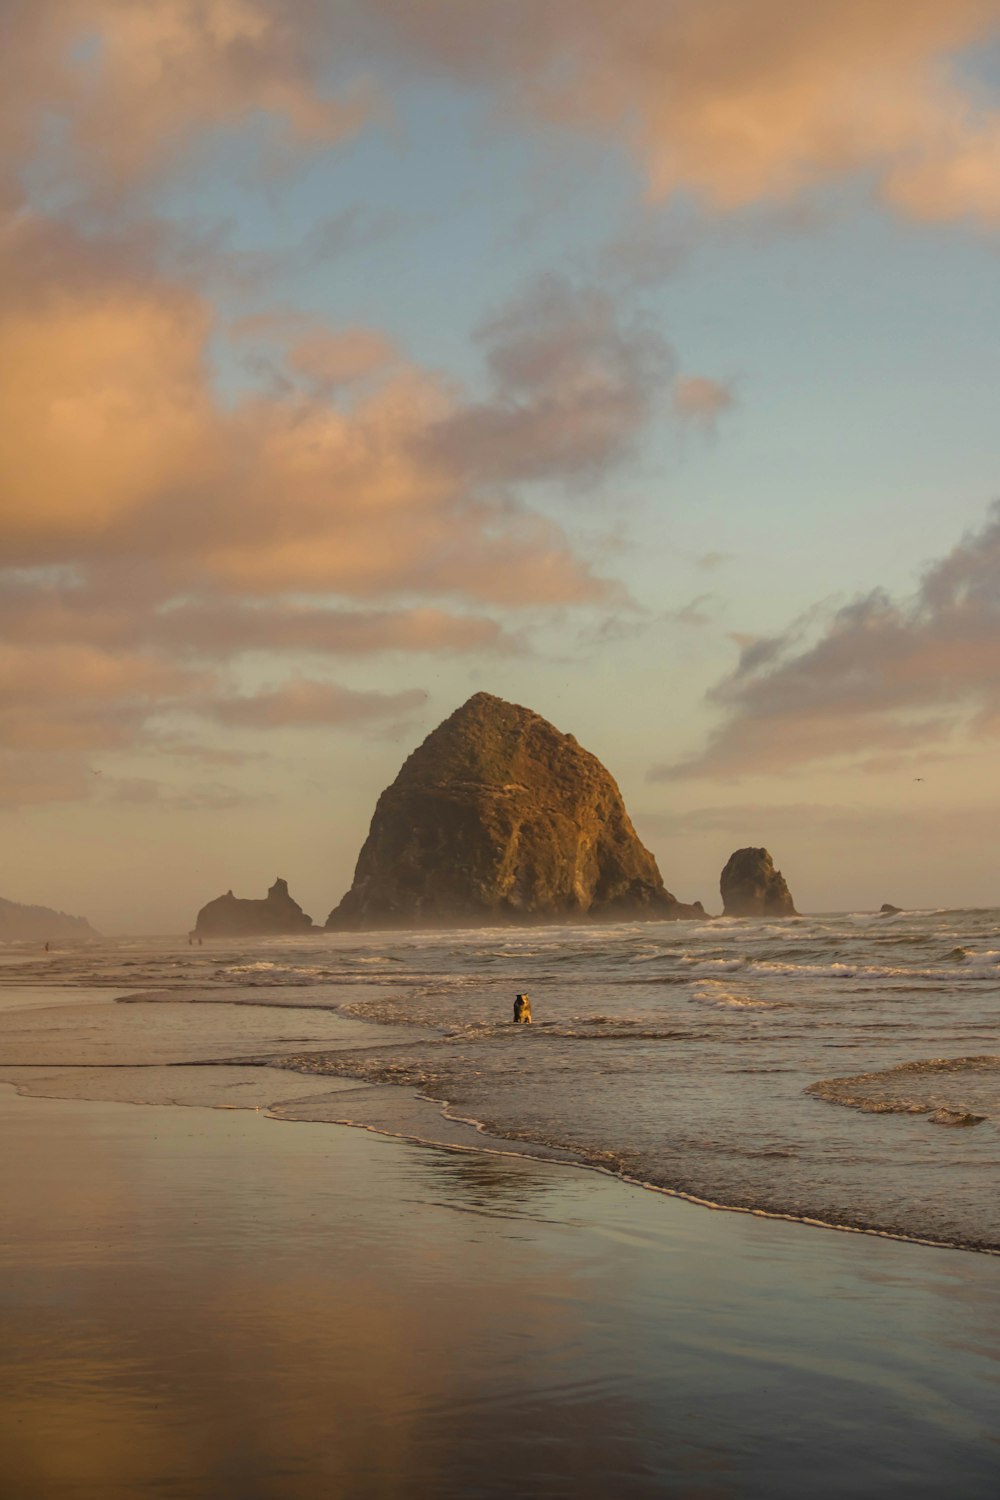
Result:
pixel 843 1069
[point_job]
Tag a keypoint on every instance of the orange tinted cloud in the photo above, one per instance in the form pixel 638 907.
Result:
pixel 144 520
pixel 135 83
pixel 114 445
pixel 701 399
pixel 738 102
pixel 69 697
pixel 306 704
pixel 330 360
pixel 227 627
pixel 44 614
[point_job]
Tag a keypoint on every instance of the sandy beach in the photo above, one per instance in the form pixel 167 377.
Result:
pixel 203 1303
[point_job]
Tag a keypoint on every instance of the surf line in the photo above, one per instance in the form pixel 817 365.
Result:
pixel 571 1158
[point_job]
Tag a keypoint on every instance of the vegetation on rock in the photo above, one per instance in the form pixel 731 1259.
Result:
pixel 498 817
pixel 41 924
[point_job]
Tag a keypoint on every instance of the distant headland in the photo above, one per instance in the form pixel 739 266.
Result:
pixel 40 924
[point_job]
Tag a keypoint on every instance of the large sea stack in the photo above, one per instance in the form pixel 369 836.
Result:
pixel 752 887
pixel 277 916
pixel 498 817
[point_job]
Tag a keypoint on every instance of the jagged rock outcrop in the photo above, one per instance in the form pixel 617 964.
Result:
pixel 29 924
pixel 277 916
pixel 752 887
pixel 498 817
pixel 888 910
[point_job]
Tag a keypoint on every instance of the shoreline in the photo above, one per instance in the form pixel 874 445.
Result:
pixel 487 1088
pixel 575 1160
pixel 534 1151
pixel 202 1305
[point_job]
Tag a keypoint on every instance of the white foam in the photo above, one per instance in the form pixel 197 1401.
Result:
pixel 715 992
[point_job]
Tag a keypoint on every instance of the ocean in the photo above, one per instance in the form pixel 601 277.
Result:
pixel 840 1069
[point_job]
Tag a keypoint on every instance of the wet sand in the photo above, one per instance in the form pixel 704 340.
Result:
pixel 207 1303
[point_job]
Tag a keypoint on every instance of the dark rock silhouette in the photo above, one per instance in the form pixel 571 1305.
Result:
pixel 28 924
pixel 498 817
pixel 888 910
pixel 229 916
pixel 752 887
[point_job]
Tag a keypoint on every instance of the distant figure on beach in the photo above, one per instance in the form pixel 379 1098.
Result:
pixel 522 1011
pixel 46 947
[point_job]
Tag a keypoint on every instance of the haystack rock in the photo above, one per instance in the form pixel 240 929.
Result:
pixel 752 887
pixel 28 924
pixel 277 916
pixel 498 817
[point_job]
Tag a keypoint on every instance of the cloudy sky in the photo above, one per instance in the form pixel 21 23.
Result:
pixel 635 360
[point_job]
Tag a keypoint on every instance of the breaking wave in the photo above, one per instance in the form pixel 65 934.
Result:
pixel 950 1090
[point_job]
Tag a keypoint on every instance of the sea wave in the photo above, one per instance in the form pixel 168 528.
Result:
pixel 950 1090
pixel 716 993
pixel 964 965
pixel 678 1055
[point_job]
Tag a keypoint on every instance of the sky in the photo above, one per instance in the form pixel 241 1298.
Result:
pixel 634 360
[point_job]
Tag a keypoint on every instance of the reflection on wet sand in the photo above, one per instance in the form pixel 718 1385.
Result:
pixel 211 1305
pixel 481 1182
pixel 391 1111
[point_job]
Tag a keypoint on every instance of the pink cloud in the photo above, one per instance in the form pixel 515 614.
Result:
pixel 304 704
pixel 574 384
pixel 882 678
pixel 700 399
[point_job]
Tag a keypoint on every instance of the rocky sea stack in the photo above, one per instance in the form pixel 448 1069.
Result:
pixel 498 817
pixel 277 916
pixel 752 887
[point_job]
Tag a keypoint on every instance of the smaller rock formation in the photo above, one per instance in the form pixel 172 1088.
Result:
pixel 277 916
pixel 888 910
pixel 522 1011
pixel 752 887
